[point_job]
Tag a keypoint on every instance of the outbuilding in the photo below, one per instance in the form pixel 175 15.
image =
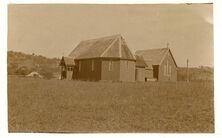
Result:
pixel 67 68
pixel 164 67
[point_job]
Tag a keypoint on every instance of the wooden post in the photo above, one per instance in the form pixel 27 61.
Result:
pixel 187 70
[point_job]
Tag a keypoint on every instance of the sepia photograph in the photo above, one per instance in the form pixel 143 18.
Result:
pixel 110 68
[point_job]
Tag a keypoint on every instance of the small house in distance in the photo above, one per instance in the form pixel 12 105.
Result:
pixel 106 58
pixel 164 67
pixel 67 68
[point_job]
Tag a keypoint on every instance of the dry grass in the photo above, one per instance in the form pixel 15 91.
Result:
pixel 67 106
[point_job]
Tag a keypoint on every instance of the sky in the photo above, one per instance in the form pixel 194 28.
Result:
pixel 55 30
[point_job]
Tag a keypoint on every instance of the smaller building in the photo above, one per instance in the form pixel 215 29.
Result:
pixel 67 67
pixel 164 67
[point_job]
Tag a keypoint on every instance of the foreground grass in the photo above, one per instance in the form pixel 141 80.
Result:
pixel 70 106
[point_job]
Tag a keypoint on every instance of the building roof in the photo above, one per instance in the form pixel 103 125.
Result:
pixel 154 56
pixel 68 61
pixel 105 47
pixel 140 62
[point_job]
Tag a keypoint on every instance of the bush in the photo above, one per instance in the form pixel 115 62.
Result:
pixel 22 71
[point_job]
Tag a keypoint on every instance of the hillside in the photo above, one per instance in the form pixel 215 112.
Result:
pixel 22 64
pixel 195 74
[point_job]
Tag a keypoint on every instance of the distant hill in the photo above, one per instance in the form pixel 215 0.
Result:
pixel 22 64
pixel 202 73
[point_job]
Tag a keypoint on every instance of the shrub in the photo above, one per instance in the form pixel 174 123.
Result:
pixel 22 71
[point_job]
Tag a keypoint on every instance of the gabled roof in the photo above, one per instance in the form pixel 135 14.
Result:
pixel 154 56
pixel 140 62
pixel 105 47
pixel 67 61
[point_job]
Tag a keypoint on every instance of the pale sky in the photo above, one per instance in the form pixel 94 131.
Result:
pixel 55 30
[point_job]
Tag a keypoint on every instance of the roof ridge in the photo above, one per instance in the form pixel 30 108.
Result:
pixel 164 55
pixel 109 47
pixel 152 49
pixel 123 41
pixel 105 37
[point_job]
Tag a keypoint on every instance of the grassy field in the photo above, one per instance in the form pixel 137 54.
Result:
pixel 37 105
